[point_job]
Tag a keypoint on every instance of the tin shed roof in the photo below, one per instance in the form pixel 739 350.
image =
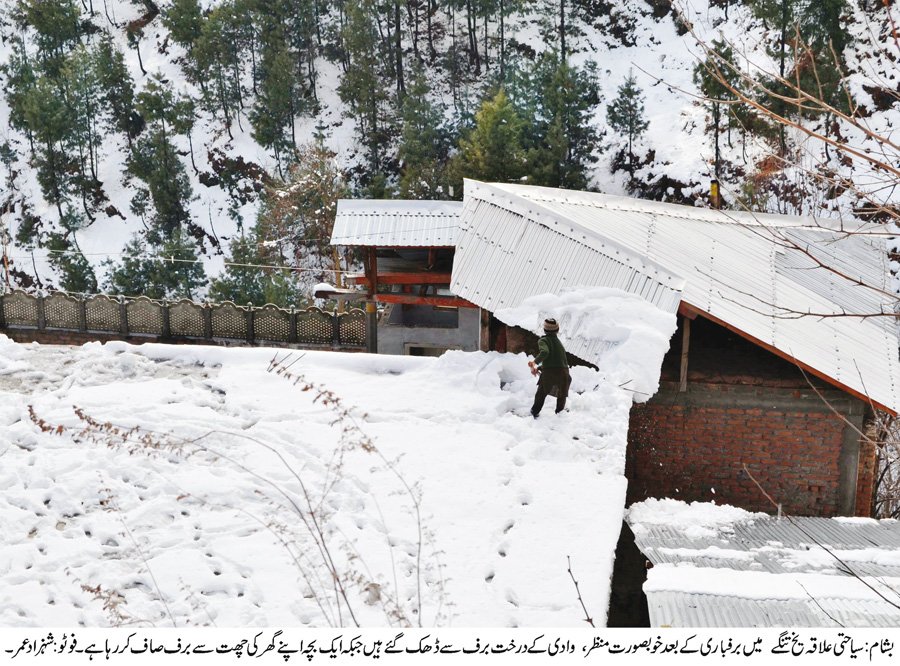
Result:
pixel 388 223
pixel 762 571
pixel 803 288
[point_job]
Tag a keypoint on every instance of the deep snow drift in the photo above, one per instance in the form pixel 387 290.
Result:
pixel 190 520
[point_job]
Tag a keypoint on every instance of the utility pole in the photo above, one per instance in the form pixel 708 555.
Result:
pixel 4 257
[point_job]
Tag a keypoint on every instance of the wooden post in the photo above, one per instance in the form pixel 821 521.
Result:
pixel 206 312
pixel 292 336
pixel 2 316
pixel 123 317
pixel 166 327
pixel 372 272
pixel 685 345
pixel 371 327
pixel 82 314
pixel 42 319
pixel 335 329
pixel 251 316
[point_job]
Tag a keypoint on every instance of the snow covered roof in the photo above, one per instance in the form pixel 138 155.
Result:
pixel 389 223
pixel 503 498
pixel 719 566
pixel 757 274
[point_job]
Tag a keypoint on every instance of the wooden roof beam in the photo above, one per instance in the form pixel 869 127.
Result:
pixel 403 278
pixel 411 299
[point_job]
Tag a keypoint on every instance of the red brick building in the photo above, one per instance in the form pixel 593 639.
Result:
pixel 744 413
pixel 777 368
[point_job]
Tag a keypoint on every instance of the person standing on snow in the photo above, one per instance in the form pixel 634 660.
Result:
pixel 553 368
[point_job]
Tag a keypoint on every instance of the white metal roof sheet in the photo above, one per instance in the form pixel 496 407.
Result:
pixel 685 609
pixel 795 284
pixel 388 223
pixel 776 548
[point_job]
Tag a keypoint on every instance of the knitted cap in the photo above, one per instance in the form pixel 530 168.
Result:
pixel 550 325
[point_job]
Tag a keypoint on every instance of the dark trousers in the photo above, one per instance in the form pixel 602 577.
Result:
pixel 550 378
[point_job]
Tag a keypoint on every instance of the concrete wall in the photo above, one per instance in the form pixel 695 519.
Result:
pixel 745 406
pixel 396 338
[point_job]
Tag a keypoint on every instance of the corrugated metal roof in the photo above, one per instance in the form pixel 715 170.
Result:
pixel 388 223
pixel 761 274
pixel 685 609
pixel 779 550
pixel 769 544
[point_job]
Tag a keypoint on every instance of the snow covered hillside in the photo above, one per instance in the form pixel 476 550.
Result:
pixel 650 39
pixel 238 486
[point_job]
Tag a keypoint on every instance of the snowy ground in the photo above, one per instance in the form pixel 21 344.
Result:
pixel 180 530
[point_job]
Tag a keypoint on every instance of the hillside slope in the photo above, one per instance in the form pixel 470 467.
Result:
pixel 227 170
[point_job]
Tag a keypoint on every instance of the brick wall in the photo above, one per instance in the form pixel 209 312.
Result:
pixel 868 460
pixel 744 405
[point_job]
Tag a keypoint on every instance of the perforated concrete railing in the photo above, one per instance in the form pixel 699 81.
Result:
pixel 144 317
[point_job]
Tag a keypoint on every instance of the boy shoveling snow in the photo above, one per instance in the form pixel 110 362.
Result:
pixel 551 365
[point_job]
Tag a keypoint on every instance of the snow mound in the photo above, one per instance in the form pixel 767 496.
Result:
pixel 629 336
pixel 697 519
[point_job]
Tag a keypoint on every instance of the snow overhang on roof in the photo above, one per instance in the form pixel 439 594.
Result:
pixel 388 223
pixel 800 287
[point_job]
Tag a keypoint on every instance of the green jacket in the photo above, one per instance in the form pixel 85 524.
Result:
pixel 551 353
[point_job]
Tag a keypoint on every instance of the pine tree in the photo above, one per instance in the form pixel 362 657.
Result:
pixel 184 21
pixel 560 100
pixel 424 143
pixel 75 272
pixel 48 117
pixel 711 77
pixel 273 113
pixel 57 26
pixel 20 79
pixel 80 82
pixel 218 58
pixel 158 269
pixel 117 88
pixel 810 34
pixel 155 160
pixel 251 284
pixel 625 115
pixel 363 85
pixel 301 25
pixel 493 150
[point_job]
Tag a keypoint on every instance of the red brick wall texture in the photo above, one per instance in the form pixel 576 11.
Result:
pixel 746 406
pixel 697 453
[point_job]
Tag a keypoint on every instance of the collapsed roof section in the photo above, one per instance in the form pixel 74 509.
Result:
pixel 814 293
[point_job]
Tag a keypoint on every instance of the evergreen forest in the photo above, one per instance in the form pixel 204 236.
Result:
pixel 197 148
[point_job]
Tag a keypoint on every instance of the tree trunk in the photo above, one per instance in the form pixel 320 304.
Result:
pixel 562 31
pixel 472 27
pixel 781 65
pixel 716 133
pixel 137 47
pixel 432 54
pixel 398 48
pixel 502 41
pixel 487 60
